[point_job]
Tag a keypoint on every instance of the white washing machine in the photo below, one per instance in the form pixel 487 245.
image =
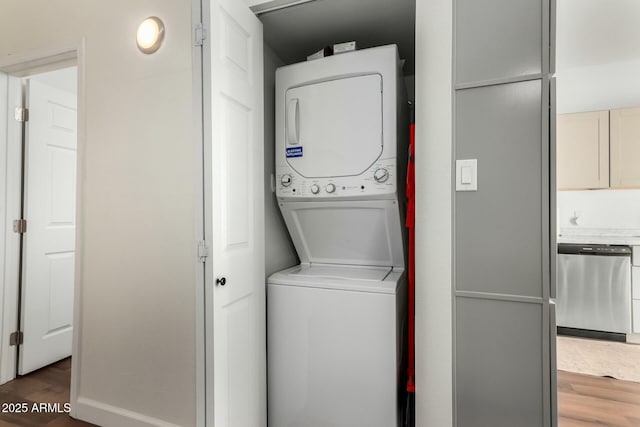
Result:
pixel 335 323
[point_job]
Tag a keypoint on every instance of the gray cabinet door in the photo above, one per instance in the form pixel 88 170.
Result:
pixel 499 366
pixel 498 244
pixel 497 39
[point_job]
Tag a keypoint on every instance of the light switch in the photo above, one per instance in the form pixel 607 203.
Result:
pixel 467 175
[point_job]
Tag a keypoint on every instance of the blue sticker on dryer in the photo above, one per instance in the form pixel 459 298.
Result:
pixel 294 152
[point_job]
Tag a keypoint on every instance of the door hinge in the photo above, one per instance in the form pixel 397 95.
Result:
pixel 203 251
pixel 16 338
pixel 20 226
pixel 22 114
pixel 200 35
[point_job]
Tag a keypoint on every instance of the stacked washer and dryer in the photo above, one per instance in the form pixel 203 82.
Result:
pixel 335 323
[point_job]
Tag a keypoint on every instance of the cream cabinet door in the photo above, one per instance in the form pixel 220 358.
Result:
pixel 583 150
pixel 625 148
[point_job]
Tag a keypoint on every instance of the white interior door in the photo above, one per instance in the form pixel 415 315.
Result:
pixel 236 330
pixel 49 243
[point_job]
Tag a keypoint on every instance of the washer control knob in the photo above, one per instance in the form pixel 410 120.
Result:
pixel 315 189
pixel 330 188
pixel 381 175
pixel 286 180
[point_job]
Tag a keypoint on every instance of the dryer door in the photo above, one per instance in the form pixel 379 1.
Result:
pixel 334 128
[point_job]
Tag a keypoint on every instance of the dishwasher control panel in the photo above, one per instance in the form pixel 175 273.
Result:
pixel 606 250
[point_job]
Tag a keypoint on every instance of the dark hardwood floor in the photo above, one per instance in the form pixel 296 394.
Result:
pixel 47 385
pixel 583 400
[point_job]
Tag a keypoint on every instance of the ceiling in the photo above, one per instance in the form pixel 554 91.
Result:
pixel 297 31
pixel 592 32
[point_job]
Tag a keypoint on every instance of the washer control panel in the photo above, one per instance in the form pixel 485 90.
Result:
pixel 379 179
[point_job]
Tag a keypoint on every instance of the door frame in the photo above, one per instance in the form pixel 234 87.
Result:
pixel 199 18
pixel 22 65
pixel 10 243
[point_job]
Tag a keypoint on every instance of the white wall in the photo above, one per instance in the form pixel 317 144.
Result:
pixel 137 188
pixel 598 87
pixel 597 56
pixel 279 250
pixel 608 212
pixel 434 328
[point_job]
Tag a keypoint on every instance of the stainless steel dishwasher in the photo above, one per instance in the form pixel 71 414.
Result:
pixel 594 288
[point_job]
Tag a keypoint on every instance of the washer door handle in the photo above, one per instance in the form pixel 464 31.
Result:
pixel 293 122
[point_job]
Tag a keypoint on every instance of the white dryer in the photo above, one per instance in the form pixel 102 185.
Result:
pixel 335 323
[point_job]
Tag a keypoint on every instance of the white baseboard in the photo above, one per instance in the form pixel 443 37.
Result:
pixel 633 338
pixel 112 416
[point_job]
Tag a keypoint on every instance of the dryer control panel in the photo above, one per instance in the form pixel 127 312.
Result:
pixel 380 179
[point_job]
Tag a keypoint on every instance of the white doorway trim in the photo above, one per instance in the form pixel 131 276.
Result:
pixel 23 64
pixel 10 171
pixel 434 214
pixel 197 19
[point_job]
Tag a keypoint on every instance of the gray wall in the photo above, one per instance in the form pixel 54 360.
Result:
pixel 503 330
pixel 279 250
pixel 410 83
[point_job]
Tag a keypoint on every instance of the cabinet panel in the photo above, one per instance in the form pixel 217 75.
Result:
pixel 636 316
pixel 499 366
pixel 583 150
pixel 625 148
pixel 493 45
pixel 501 127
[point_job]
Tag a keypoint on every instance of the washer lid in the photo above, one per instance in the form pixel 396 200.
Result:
pixel 334 128
pixel 340 277
pixel 346 232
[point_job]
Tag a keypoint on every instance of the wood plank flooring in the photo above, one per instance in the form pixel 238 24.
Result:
pixel 587 401
pixel 583 400
pixel 47 385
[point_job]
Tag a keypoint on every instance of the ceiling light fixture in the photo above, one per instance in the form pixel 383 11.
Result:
pixel 150 34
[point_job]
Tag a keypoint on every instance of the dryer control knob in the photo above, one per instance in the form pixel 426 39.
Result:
pixel 330 188
pixel 315 189
pixel 286 180
pixel 381 175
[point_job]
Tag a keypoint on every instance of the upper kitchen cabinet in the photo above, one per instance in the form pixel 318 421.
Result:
pixel 625 148
pixel 583 150
pixel 490 47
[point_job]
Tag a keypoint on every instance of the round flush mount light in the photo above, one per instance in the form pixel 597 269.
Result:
pixel 150 34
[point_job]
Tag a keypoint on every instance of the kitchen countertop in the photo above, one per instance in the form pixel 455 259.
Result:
pixel 600 240
pixel 631 238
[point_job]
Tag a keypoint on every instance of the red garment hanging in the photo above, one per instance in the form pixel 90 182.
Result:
pixel 410 224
